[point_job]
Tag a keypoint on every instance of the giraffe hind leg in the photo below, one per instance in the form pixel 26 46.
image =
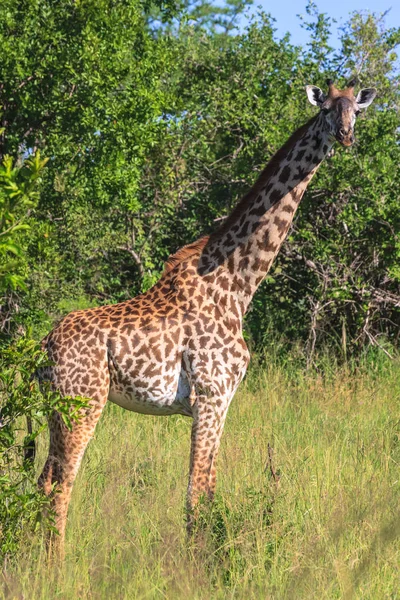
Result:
pixel 66 451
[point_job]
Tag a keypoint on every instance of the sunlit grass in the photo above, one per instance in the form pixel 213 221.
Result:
pixel 328 529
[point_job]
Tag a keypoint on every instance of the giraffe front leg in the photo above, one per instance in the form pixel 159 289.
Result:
pixel 213 470
pixel 208 422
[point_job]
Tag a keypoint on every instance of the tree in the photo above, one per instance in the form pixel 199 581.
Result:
pixel 84 81
pixel 18 196
pixel 154 131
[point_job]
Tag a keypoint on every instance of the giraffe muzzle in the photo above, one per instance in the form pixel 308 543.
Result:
pixel 346 138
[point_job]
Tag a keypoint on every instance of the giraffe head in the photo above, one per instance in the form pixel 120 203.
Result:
pixel 340 108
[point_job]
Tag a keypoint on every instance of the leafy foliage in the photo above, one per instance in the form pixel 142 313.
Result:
pixel 18 196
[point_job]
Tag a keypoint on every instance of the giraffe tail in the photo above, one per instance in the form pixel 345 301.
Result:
pixel 30 445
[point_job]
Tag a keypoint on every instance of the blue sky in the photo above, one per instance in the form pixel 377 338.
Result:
pixel 285 11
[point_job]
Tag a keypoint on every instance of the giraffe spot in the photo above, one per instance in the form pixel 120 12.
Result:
pixel 280 223
pixel 275 196
pixel 264 265
pixel 300 155
pixel 301 173
pixel 285 174
pixel 304 141
pixel 244 263
pixel 204 340
pixel 224 283
pixel 258 210
pixel 244 231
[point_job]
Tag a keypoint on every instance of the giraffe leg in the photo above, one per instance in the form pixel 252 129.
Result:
pixel 65 456
pixel 213 470
pixel 208 423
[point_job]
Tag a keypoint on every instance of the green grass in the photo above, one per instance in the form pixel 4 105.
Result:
pixel 329 529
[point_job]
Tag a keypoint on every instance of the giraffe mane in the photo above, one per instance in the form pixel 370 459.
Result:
pixel 192 249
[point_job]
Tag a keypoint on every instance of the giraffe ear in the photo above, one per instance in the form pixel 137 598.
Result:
pixel 315 95
pixel 365 97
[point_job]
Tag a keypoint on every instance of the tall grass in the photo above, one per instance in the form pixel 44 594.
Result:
pixel 329 528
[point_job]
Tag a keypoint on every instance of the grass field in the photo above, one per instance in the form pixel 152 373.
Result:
pixel 329 528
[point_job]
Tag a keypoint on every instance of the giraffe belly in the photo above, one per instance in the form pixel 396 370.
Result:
pixel 172 400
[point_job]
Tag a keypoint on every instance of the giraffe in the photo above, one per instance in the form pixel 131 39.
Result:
pixel 178 348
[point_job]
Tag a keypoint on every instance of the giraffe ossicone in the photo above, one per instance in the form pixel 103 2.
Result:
pixel 179 348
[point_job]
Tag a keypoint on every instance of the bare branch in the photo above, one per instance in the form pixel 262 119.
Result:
pixel 135 257
pixel 270 465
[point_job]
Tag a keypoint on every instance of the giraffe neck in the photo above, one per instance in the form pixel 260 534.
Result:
pixel 239 255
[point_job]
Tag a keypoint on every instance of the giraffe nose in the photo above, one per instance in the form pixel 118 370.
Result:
pixel 345 136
